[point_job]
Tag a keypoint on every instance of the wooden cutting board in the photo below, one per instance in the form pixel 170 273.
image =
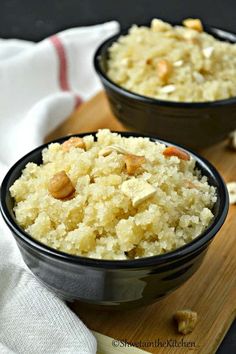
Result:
pixel 211 291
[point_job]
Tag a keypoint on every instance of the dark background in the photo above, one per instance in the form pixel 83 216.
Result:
pixel 35 20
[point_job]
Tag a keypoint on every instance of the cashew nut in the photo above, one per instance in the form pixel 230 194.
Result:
pixel 164 69
pixel 174 151
pixel 186 320
pixel 193 23
pixel 133 162
pixel 73 142
pixel 60 186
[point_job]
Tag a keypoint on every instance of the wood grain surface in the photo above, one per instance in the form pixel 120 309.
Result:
pixel 211 291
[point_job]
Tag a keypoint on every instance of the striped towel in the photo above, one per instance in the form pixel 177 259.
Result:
pixel 40 85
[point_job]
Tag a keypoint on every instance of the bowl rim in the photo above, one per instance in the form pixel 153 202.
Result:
pixel 214 31
pixel 143 262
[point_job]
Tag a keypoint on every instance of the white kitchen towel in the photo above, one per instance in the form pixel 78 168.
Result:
pixel 40 85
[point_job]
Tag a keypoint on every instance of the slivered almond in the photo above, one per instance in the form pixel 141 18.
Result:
pixel 178 63
pixel 174 151
pixel 207 52
pixel 168 89
pixel 108 150
pixel 137 190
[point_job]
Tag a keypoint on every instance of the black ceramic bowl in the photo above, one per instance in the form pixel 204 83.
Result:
pixel 194 125
pixel 121 283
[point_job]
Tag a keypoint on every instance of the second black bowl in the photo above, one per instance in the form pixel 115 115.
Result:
pixel 194 125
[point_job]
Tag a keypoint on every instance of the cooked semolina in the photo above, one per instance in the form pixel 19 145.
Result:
pixel 174 63
pixel 110 210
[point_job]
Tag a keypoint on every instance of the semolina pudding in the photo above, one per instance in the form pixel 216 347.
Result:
pixel 175 63
pixel 113 197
